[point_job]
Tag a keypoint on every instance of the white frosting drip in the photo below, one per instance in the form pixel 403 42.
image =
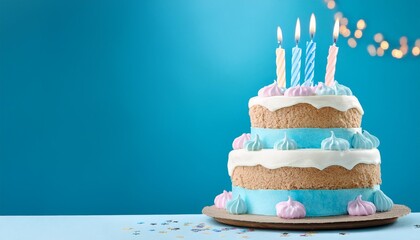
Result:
pixel 341 103
pixel 303 158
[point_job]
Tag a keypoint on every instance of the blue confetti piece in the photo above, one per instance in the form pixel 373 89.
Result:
pixel 201 225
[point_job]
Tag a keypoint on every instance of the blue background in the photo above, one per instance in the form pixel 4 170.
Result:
pixel 130 107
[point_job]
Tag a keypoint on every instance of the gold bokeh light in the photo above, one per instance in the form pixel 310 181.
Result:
pixel 416 51
pixel 358 33
pixel 397 53
pixel 371 50
pixel 378 37
pixel 403 40
pixel 346 33
pixel 361 24
pixel 380 52
pixel 404 49
pixel 344 21
pixel 384 45
pixel 343 29
pixel 352 42
pixel 338 15
pixel 331 4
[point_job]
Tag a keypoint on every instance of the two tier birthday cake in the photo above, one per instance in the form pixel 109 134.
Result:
pixel 306 156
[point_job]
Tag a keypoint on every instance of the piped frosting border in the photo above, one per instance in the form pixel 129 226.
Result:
pixel 341 103
pixel 304 158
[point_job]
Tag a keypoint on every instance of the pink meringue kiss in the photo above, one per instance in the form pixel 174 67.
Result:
pixel 221 199
pixel 299 91
pixel 239 142
pixel 359 207
pixel 290 209
pixel 271 90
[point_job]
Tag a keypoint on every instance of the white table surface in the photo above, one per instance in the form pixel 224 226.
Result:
pixel 127 227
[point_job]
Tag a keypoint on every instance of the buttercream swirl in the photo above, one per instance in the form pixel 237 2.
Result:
pixel 359 207
pixel 236 206
pixel 323 89
pixel 372 138
pixel 342 90
pixel 253 145
pixel 334 143
pixel 221 199
pixel 285 144
pixel 290 209
pixel 361 142
pixel 299 91
pixel 271 90
pixel 239 142
pixel 382 202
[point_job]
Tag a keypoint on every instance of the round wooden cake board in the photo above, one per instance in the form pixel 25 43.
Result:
pixel 309 223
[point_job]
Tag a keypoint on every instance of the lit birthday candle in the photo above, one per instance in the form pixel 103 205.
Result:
pixel 332 58
pixel 280 61
pixel 310 54
pixel 296 56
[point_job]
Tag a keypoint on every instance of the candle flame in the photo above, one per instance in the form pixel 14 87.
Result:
pixel 279 35
pixel 336 28
pixel 297 31
pixel 312 26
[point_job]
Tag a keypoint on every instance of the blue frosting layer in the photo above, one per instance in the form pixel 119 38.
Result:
pixel 317 202
pixel 304 137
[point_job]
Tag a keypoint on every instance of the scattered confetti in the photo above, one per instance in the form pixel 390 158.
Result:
pixel 198 229
pixel 308 234
pixel 285 234
pixel 201 225
pixel 241 231
pixel 342 233
pixel 140 223
pixel 227 229
pixel 153 224
pixel 173 229
pixel 417 225
pixel 151 230
pixel 179 236
pixel 163 232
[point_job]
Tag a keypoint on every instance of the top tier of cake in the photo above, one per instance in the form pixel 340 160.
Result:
pixel 305 107
pixel 305 112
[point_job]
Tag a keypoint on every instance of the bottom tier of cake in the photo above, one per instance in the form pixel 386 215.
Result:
pixel 317 202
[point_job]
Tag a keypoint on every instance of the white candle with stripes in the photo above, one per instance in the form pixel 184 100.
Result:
pixel 332 58
pixel 310 53
pixel 296 57
pixel 280 61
